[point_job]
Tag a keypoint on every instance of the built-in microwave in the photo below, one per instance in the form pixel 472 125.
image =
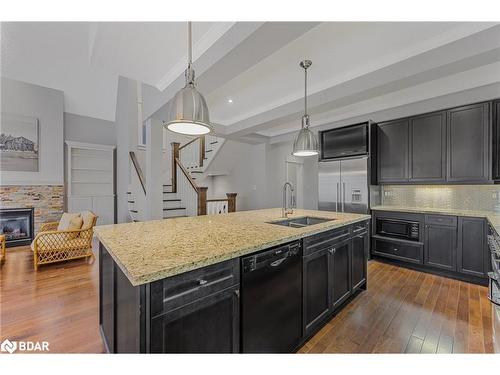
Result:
pixel 396 228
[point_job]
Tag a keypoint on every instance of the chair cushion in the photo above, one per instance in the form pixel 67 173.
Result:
pixel 88 219
pixel 65 222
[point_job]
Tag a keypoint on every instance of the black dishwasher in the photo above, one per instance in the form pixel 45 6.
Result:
pixel 271 300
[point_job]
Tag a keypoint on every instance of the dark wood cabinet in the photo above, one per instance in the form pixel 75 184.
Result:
pixel 472 250
pixel 496 140
pixel 468 146
pixel 392 149
pixel 449 245
pixel 106 299
pixel 334 267
pixel 428 148
pixel 458 145
pixel 317 281
pixel 440 246
pixel 359 255
pixel 208 325
pixel 341 259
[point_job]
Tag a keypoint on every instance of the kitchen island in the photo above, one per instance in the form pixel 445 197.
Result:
pixel 174 285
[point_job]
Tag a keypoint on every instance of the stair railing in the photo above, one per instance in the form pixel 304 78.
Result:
pixel 222 206
pixel 192 154
pixel 138 170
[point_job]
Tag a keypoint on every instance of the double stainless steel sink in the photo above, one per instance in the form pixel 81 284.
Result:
pixel 301 222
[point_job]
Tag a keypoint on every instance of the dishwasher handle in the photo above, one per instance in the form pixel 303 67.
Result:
pixel 272 258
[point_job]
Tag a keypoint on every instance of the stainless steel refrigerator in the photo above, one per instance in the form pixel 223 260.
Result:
pixel 343 185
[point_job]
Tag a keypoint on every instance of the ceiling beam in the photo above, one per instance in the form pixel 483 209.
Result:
pixel 241 47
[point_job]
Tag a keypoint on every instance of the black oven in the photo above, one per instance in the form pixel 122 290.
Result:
pixel 403 229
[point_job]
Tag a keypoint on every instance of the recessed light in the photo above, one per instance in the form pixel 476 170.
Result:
pixel 230 100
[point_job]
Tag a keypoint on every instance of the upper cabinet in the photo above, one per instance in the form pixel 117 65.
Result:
pixel 428 147
pixel 468 144
pixel 496 140
pixel 449 146
pixel 392 149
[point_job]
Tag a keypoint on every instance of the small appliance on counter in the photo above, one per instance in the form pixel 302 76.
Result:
pixel 494 285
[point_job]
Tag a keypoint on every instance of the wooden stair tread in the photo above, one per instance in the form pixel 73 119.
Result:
pixel 175 208
pixel 171 200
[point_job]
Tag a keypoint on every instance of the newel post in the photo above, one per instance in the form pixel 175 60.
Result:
pixel 175 155
pixel 202 200
pixel 231 202
pixel 202 151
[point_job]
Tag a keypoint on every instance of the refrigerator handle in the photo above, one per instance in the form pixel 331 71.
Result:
pixel 337 200
pixel 343 196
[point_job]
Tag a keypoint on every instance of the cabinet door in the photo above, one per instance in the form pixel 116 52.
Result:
pixel 472 246
pixel 440 247
pixel 317 278
pixel 341 257
pixel 208 325
pixel 496 140
pixel 428 147
pixel 359 258
pixel 392 146
pixel 468 144
pixel 107 298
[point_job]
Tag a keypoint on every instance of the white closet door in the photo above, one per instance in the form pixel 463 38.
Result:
pixel 104 208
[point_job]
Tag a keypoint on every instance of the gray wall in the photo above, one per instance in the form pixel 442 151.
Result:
pixel 47 105
pixel 88 129
pixel 257 173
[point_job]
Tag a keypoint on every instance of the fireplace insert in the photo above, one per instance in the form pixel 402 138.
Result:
pixel 17 226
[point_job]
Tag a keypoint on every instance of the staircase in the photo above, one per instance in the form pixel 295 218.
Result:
pixel 181 196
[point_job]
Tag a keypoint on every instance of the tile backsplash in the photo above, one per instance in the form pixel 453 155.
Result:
pixel 461 197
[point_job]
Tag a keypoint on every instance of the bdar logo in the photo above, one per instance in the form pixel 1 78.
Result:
pixel 8 346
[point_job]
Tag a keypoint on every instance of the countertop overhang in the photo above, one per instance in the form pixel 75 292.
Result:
pixel 153 250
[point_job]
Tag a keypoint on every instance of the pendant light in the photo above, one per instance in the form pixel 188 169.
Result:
pixel 188 111
pixel 305 143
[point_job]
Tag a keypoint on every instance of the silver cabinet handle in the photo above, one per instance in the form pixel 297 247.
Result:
pixel 343 197
pixel 237 293
pixel 338 198
pixel 332 251
pixel 202 282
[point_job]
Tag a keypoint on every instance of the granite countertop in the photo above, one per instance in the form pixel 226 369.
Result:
pixel 491 216
pixel 153 250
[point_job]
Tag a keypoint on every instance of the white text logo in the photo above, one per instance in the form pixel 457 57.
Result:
pixel 24 346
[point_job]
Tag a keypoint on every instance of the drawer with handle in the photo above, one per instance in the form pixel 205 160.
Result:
pixel 177 291
pixel 398 250
pixel 325 240
pixel 446 220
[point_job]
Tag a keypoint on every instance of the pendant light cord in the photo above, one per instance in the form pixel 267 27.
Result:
pixel 190 71
pixel 190 44
pixel 305 91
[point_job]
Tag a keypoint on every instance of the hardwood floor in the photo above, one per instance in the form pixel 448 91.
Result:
pixel 406 311
pixel 58 303
pixel 402 311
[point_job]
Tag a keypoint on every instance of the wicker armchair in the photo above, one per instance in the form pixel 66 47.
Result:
pixel 51 245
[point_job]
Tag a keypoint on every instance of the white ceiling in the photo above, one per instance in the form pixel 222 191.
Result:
pixel 356 66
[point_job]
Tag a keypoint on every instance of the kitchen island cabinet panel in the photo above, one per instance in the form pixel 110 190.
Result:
pixel 360 246
pixel 317 278
pixel 341 273
pixel 208 325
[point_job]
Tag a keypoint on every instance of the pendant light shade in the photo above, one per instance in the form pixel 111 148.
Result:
pixel 189 111
pixel 305 143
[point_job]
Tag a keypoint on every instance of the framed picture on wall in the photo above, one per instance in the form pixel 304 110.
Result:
pixel 18 143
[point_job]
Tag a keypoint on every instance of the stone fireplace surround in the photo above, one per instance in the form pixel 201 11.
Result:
pixel 47 200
